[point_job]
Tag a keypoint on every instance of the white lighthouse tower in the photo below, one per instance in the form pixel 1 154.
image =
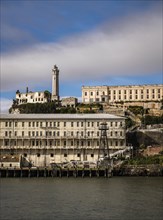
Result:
pixel 55 84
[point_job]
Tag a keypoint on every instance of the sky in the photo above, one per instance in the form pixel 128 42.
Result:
pixel 92 42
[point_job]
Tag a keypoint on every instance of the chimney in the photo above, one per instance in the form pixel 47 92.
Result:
pixel 26 89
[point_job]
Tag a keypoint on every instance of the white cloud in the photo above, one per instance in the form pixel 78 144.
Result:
pixel 5 104
pixel 132 46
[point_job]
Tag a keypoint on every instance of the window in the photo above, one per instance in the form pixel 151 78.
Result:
pixel 33 124
pixel 10 164
pixel 22 124
pixel 97 93
pixel 58 124
pixel 88 133
pixel 64 124
pixel 29 133
pixel 65 133
pixel 38 154
pixel 25 154
pixel 78 155
pixel 65 155
pixel 147 90
pixel 33 133
pixel 36 143
pixel 37 124
pixel 64 143
pixel 72 143
pixel 10 124
pixel 41 124
pixel 81 124
pixel 29 124
pixel 15 133
pixel 72 124
pixel 22 133
pixel 6 133
pixel 85 93
pixel 88 143
pixel 58 133
pixel 33 143
pixel 51 155
pixel 97 133
pixel 50 124
pixel 92 155
pixel 6 124
pixel 111 124
pixel 16 124
pixel 53 133
pixel 91 93
pixel 88 124
pixel 130 91
pixel 40 133
pixel 77 124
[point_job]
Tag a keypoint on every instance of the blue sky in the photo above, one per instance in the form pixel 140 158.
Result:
pixel 92 42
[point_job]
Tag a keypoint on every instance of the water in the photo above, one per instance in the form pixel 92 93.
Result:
pixel 117 198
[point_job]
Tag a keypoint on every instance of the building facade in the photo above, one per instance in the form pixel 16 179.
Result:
pixel 69 102
pixel 46 138
pixel 112 94
pixel 31 97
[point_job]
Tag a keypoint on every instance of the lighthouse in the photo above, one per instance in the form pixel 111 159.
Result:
pixel 55 84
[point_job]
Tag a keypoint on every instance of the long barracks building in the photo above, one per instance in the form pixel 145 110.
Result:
pixel 46 138
pixel 130 93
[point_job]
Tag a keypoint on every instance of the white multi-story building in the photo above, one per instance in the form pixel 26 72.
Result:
pixel 31 97
pixel 112 94
pixel 47 138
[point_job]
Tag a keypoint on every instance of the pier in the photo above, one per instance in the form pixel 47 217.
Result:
pixel 49 172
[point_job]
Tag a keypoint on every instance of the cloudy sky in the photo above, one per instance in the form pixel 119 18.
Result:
pixel 92 43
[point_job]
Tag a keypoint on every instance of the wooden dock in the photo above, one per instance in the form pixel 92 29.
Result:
pixel 49 172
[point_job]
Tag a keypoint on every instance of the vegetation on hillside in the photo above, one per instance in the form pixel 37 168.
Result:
pixel 156 159
pixel 49 107
pixel 150 120
pixel 129 123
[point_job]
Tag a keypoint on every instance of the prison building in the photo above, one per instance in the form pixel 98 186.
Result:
pixel 54 138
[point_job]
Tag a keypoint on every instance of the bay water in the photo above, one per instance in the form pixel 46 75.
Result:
pixel 116 198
